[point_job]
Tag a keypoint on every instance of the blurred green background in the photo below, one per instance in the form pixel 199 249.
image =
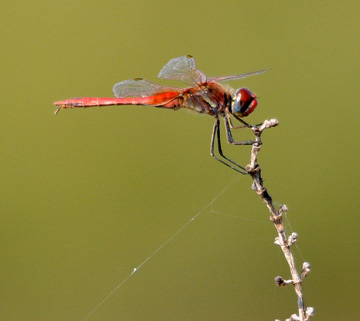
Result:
pixel 88 195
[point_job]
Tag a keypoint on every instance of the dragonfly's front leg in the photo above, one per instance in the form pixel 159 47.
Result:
pixel 245 124
pixel 229 126
pixel 216 133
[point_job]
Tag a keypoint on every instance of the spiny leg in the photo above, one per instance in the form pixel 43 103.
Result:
pixel 229 137
pixel 216 132
pixel 245 124
pixel 240 120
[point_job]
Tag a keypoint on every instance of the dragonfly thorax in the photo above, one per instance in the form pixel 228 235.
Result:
pixel 243 102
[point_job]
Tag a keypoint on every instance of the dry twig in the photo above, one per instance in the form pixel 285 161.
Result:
pixel 285 243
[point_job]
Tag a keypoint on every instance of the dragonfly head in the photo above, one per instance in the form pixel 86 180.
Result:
pixel 243 102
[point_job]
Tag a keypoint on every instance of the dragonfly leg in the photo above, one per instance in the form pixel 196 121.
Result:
pixel 229 137
pixel 245 124
pixel 216 133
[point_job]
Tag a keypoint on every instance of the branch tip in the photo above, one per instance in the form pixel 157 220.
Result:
pixel 281 282
pixel 283 208
pixel 268 124
pixel 306 268
pixel 310 311
pixel 292 238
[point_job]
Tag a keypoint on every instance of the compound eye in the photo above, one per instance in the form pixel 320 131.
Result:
pixel 244 102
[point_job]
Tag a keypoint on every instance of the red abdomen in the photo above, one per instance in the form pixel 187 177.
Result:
pixel 170 99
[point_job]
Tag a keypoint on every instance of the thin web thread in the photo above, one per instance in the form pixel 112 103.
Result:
pixel 202 211
pixel 289 225
pixel 289 229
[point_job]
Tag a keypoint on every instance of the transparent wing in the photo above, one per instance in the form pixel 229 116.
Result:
pixel 182 68
pixel 234 77
pixel 138 87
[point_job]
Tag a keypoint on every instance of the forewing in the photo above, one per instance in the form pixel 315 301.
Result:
pixel 138 87
pixel 234 77
pixel 182 68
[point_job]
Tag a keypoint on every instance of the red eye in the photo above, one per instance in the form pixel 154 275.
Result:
pixel 244 102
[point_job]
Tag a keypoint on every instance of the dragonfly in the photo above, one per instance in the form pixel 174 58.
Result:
pixel 204 95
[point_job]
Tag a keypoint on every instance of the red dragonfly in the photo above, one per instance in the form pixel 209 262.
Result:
pixel 205 95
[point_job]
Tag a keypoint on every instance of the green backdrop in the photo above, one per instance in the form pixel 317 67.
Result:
pixel 88 195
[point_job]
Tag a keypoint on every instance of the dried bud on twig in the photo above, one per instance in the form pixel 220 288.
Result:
pixel 281 282
pixel 305 270
pixel 310 311
pixel 292 238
